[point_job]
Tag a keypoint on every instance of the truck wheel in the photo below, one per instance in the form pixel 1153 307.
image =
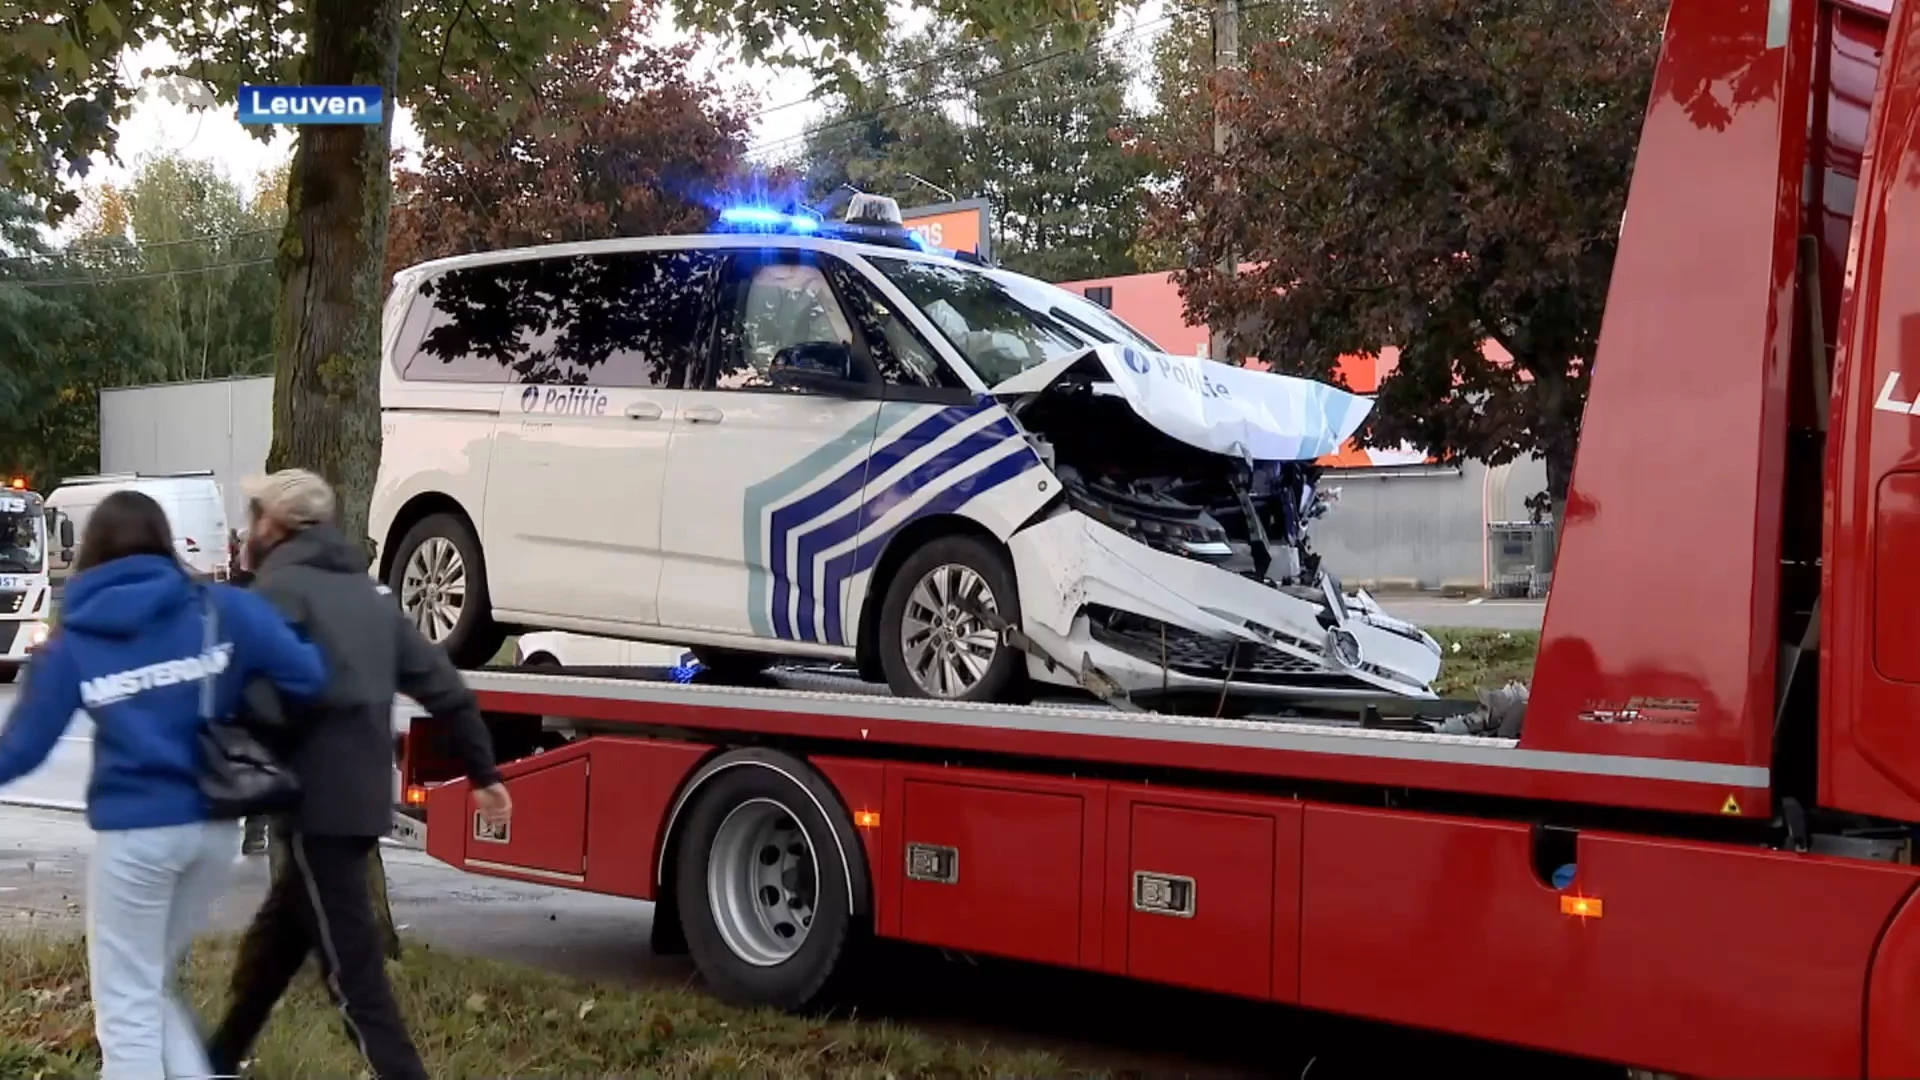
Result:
pixel 763 898
pixel 931 643
pixel 7 673
pixel 440 579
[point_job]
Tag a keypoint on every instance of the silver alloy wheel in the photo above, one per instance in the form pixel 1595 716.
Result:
pixel 433 590
pixel 762 882
pixel 948 647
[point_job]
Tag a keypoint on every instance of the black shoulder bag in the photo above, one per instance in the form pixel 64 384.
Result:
pixel 239 776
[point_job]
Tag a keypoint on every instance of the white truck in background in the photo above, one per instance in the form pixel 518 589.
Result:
pixel 29 528
pixel 223 427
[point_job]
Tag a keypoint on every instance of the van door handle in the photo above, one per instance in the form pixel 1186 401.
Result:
pixel 644 410
pixel 705 414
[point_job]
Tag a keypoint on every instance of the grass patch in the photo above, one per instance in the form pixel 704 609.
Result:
pixel 479 1018
pixel 1473 660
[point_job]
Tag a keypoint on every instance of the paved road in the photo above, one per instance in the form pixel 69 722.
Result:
pixel 1484 614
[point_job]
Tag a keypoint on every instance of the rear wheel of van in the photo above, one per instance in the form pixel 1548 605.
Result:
pixel 933 642
pixel 440 579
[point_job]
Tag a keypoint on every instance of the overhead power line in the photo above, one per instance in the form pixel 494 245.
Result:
pixel 95 244
pixel 111 279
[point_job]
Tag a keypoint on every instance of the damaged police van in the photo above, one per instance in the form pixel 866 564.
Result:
pixel 809 440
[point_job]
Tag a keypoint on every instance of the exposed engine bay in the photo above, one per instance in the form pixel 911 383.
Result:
pixel 1247 518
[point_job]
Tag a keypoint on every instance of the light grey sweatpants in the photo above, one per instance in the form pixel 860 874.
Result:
pixel 148 895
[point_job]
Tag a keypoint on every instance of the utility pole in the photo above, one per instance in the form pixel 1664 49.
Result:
pixel 1226 58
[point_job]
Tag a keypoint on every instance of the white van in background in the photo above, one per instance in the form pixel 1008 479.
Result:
pixel 192 501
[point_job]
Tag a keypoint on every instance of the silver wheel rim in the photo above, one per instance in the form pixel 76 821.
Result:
pixel 947 645
pixel 762 882
pixel 433 588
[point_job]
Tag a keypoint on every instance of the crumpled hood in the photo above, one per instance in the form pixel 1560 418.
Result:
pixel 1213 406
pixel 322 547
pixel 121 598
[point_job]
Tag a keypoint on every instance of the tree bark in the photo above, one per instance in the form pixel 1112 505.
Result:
pixel 1560 415
pixel 326 387
pixel 326 394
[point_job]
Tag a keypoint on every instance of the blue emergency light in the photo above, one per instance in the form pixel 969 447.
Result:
pixel 766 219
pixel 870 219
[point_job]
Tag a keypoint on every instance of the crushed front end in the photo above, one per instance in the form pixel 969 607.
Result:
pixel 1176 570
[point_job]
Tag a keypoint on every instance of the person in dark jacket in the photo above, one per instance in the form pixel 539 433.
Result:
pixel 341 747
pixel 152 656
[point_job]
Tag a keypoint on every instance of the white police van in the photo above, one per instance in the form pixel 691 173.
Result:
pixel 809 439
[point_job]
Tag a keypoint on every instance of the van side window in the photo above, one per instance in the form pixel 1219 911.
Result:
pixel 781 305
pixel 628 319
pixel 469 336
pixel 902 355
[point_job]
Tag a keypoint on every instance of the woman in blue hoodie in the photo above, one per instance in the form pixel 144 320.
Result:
pixel 137 641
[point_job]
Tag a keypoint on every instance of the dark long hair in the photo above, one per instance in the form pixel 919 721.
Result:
pixel 125 523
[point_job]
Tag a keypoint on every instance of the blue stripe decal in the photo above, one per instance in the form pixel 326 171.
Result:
pixel 843 487
pixel 848 525
pixel 781 485
pixel 858 561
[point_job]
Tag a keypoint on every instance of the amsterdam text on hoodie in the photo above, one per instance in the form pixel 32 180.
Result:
pixel 131 650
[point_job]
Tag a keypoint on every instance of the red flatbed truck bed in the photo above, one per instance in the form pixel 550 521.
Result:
pixel 1695 857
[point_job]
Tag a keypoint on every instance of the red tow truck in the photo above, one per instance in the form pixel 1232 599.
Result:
pixel 1694 858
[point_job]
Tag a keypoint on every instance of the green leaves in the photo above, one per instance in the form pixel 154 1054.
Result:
pixel 610 137
pixel 1041 142
pixel 1442 178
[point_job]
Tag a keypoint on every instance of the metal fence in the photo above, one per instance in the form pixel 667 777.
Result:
pixel 1520 558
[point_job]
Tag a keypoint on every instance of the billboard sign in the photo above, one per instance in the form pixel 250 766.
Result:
pixel 956 226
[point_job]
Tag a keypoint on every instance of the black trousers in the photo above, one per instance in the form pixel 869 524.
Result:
pixel 318 904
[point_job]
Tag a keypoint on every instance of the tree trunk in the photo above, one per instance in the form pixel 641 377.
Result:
pixel 326 394
pixel 1561 410
pixel 326 387
pixel 1559 462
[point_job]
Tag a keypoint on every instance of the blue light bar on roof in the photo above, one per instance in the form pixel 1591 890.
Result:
pixel 765 219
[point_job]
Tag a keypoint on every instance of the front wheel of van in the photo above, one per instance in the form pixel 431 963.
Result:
pixel 934 642
pixel 440 579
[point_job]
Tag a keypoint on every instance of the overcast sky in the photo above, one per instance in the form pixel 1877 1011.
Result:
pixel 158 127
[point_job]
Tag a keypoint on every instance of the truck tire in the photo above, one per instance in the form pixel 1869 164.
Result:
pixel 439 576
pixel 8 672
pixel 763 897
pixel 923 614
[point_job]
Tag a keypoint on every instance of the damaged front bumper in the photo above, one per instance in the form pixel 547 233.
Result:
pixel 1154 622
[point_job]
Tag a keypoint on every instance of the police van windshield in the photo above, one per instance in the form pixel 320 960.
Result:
pixel 23 535
pixel 1001 323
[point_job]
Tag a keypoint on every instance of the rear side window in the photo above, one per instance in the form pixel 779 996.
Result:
pixel 631 319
